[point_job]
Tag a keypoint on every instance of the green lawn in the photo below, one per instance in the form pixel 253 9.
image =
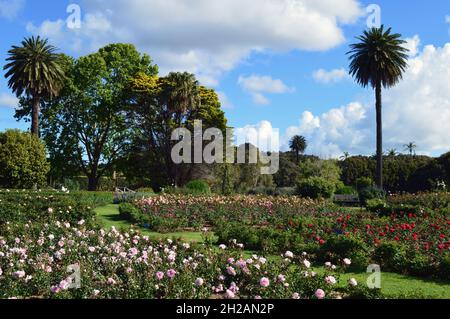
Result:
pixel 109 217
pixel 392 285
pixel 399 286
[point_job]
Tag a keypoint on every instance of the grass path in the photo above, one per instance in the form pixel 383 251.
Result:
pixel 393 285
pixel 396 285
pixel 109 216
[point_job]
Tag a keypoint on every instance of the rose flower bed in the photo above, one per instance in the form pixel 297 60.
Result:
pixel 34 264
pixel 414 243
pixel 175 212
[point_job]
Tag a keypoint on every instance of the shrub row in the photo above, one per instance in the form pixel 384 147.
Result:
pixel 390 255
pixel 46 206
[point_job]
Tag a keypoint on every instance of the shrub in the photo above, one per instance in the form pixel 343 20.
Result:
pixel 272 191
pixel 23 162
pixel 268 191
pixel 285 191
pixel 71 184
pixel 364 182
pixel 444 267
pixel 145 190
pixel 378 206
pixel 131 213
pixel 369 193
pixel 340 247
pixel 432 200
pixel 390 255
pixel 43 207
pixel 316 187
pixel 198 187
pixel 346 190
pixel 418 264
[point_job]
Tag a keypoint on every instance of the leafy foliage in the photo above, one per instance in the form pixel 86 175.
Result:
pixel 34 69
pixel 316 187
pixel 23 162
pixel 87 121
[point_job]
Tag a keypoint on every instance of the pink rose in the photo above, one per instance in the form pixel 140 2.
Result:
pixel 171 273
pixel 320 294
pixel 160 275
pixel 264 282
pixel 199 282
pixel 229 294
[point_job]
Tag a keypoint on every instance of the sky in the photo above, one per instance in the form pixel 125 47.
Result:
pixel 278 65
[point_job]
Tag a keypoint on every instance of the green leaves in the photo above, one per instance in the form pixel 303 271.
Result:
pixel 379 57
pixel 34 68
pixel 23 162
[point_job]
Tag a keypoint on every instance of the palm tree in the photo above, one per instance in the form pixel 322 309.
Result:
pixel 184 94
pixel 378 60
pixel 183 98
pixel 298 145
pixel 410 147
pixel 392 152
pixel 345 157
pixel 34 69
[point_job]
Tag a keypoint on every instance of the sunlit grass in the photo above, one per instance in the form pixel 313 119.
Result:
pixel 392 285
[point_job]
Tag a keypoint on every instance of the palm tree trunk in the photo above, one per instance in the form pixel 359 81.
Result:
pixel 35 116
pixel 379 172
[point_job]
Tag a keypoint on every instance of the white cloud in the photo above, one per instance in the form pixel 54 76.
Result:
pixel 8 100
pixel 225 101
pixel 417 109
pixel 332 76
pixel 413 45
pixel 261 135
pixel 206 37
pixel 331 132
pixel 258 85
pixel 10 8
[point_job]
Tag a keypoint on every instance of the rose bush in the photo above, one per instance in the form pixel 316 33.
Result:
pixel 34 264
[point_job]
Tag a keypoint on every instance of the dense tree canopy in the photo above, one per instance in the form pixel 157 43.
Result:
pixel 158 106
pixel 86 125
pixel 23 162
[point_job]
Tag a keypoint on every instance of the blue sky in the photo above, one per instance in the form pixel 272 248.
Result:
pixel 264 59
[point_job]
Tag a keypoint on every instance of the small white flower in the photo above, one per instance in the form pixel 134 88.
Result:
pixel 199 282
pixel 289 254
pixel 330 280
pixel 353 282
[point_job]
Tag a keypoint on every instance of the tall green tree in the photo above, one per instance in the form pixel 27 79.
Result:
pixel 392 152
pixel 410 147
pixel 34 69
pixel 158 106
pixel 379 59
pixel 86 126
pixel 298 145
